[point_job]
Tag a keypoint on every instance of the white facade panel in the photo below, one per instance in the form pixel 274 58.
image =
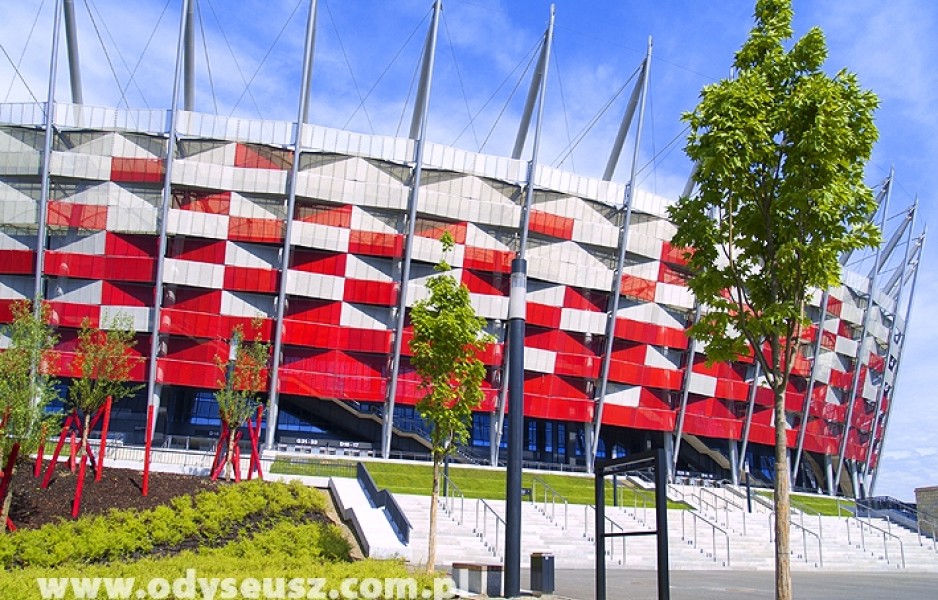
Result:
pixel 195 274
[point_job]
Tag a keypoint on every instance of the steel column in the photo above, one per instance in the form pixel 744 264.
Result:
pixel 273 403
pixel 806 409
pixel 71 42
pixel 387 424
pixel 870 307
pixel 908 315
pixel 893 332
pixel 45 183
pixel 167 198
pixel 592 443
pixel 189 54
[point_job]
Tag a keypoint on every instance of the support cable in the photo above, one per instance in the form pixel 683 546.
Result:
pixel 566 152
pixel 266 56
pixel 410 90
pixel 16 66
pixel 563 105
pixel 146 47
pixel 507 102
pixel 208 61
pixel 348 65
pixel 107 55
pixel 462 85
pixel 234 59
pixel 361 105
pixel 491 97
pixel 18 73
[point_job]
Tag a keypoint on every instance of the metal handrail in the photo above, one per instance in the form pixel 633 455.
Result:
pixel 886 534
pixel 921 517
pixel 715 505
pixel 809 511
pixel 483 531
pixel 610 548
pixel 714 528
pixel 554 497
pixel 805 532
pixel 448 500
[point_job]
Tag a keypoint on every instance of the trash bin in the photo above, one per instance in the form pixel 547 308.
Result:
pixel 542 572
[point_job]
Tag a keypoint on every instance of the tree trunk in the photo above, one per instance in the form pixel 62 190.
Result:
pixel 434 500
pixel 229 457
pixel 84 438
pixel 7 503
pixel 782 503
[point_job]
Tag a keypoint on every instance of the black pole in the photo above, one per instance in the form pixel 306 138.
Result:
pixel 615 490
pixel 446 476
pixel 661 525
pixel 516 315
pixel 748 491
pixel 599 480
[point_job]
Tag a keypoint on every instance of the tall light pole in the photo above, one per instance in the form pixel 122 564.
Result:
pixel 517 304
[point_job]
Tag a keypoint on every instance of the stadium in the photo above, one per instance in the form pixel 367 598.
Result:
pixel 318 239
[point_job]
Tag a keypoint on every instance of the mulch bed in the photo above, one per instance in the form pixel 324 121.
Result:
pixel 118 489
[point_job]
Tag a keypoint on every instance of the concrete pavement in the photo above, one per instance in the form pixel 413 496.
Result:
pixel 579 584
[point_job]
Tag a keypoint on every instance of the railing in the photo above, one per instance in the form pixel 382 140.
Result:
pixel 873 530
pixel 714 528
pixel 613 528
pixel 448 500
pixel 385 499
pixel 805 533
pixel 903 514
pixel 554 496
pixel 482 526
pixel 719 503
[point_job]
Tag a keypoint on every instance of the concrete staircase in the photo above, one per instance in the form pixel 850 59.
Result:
pixel 720 533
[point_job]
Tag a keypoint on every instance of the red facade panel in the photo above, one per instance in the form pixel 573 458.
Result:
pixel 17 262
pixel 137 170
pixel 551 225
pixel 370 243
pixel 78 216
pixel 483 259
pixel 248 279
pixel 360 291
pixel 246 229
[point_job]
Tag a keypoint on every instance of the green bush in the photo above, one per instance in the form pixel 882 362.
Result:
pixel 119 535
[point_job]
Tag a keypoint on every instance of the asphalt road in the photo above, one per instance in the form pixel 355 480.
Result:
pixel 751 585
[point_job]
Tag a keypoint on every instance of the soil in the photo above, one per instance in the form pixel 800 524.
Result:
pixel 118 489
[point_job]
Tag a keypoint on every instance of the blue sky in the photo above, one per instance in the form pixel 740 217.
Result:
pixel 370 49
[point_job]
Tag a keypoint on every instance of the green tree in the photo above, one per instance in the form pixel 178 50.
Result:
pixel 780 150
pixel 244 377
pixel 104 362
pixel 448 337
pixel 26 388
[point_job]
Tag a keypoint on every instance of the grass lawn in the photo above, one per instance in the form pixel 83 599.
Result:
pixel 820 504
pixel 416 478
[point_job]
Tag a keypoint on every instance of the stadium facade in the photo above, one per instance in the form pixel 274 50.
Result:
pixel 180 220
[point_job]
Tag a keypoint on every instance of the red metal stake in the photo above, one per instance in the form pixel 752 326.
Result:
pixel 10 526
pixel 220 447
pixel 255 443
pixel 37 469
pixel 73 448
pixel 146 452
pixel 8 471
pixel 104 428
pixel 57 452
pixel 76 502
